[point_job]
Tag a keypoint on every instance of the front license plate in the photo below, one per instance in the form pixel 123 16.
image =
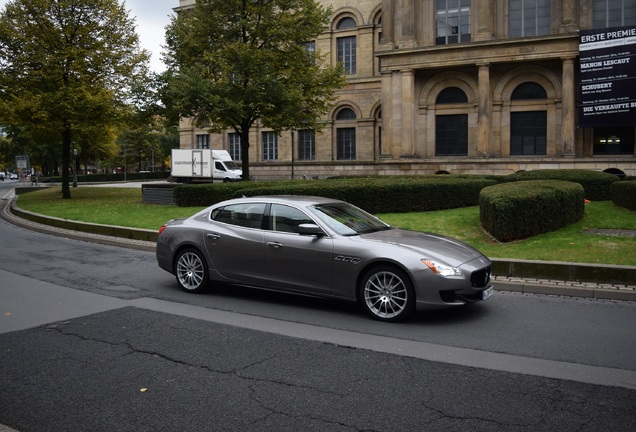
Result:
pixel 486 293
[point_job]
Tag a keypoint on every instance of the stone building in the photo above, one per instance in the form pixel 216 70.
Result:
pixel 453 86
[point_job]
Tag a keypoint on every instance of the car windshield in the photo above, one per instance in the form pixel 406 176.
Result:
pixel 347 220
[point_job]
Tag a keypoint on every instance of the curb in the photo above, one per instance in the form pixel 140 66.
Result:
pixel 609 282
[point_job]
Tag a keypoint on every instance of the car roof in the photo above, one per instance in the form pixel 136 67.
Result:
pixel 299 200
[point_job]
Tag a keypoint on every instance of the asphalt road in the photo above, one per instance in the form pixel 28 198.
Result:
pixel 97 338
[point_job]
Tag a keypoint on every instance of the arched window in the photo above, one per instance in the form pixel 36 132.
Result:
pixel 451 95
pixel 528 129
pixel 345 134
pixel 347 23
pixel 451 130
pixel 346 114
pixel 528 91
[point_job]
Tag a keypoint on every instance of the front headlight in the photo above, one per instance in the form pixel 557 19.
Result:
pixel 441 269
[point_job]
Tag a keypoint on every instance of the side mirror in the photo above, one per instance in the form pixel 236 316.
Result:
pixel 310 229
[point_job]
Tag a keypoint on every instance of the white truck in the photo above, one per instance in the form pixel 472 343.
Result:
pixel 190 165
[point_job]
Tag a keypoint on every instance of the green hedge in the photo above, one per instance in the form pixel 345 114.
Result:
pixel 624 193
pixel 596 184
pixel 524 209
pixel 374 194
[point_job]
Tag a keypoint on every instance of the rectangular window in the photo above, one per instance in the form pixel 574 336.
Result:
pixel 451 135
pixel 310 47
pixel 235 146
pixel 346 53
pixel 528 133
pixel 270 146
pixel 452 21
pixel 528 18
pixel 346 144
pixel 306 145
pixel 613 13
pixel 203 141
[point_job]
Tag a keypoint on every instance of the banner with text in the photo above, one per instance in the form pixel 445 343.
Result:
pixel 607 85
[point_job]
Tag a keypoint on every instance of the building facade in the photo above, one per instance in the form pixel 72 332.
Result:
pixel 448 86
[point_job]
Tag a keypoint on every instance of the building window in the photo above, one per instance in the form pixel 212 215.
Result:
pixel 452 95
pixel 528 91
pixel 614 141
pixel 346 136
pixel 528 133
pixel 528 18
pixel 346 143
pixel 235 146
pixel 347 23
pixel 613 13
pixel 451 135
pixel 346 53
pixel 203 141
pixel 306 145
pixel 310 49
pixel 452 21
pixel 346 114
pixel 270 146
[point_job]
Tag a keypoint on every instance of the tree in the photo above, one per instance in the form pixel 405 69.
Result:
pixel 231 63
pixel 68 66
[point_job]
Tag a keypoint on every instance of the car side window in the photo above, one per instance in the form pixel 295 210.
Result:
pixel 286 219
pixel 219 166
pixel 249 215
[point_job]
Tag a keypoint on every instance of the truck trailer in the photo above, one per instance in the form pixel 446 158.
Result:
pixel 203 165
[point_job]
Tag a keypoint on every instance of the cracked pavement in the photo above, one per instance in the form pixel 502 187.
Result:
pixel 131 369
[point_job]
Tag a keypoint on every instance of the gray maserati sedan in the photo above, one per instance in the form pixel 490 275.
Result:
pixel 322 247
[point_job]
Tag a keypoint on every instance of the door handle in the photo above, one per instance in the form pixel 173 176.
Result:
pixel 213 236
pixel 275 245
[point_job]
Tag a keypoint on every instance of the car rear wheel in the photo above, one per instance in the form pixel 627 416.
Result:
pixel 386 294
pixel 191 271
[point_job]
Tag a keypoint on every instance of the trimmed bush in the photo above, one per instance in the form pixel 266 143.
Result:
pixel 624 194
pixel 374 194
pixel 514 211
pixel 596 184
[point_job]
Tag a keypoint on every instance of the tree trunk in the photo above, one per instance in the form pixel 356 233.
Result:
pixel 66 156
pixel 245 152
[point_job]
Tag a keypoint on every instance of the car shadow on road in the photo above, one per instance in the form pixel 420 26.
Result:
pixel 287 306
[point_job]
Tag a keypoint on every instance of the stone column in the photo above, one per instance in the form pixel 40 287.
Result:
pixel 484 111
pixel 568 101
pixel 485 21
pixel 407 78
pixel 569 21
pixel 407 39
pixel 387 21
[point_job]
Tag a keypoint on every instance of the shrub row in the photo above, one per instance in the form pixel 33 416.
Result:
pixel 524 209
pixel 624 193
pixel 595 183
pixel 374 194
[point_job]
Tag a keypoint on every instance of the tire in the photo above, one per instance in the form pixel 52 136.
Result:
pixel 386 294
pixel 191 271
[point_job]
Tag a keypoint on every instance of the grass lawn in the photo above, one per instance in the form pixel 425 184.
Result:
pixel 123 207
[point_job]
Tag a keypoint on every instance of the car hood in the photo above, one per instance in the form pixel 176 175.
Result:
pixel 431 246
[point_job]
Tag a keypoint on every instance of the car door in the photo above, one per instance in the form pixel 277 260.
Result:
pixel 235 244
pixel 296 262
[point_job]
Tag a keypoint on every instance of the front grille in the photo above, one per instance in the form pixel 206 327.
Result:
pixel 480 278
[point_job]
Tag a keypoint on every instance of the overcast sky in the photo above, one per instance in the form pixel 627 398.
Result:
pixel 152 16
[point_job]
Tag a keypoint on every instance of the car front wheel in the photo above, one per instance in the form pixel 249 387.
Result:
pixel 386 294
pixel 191 271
